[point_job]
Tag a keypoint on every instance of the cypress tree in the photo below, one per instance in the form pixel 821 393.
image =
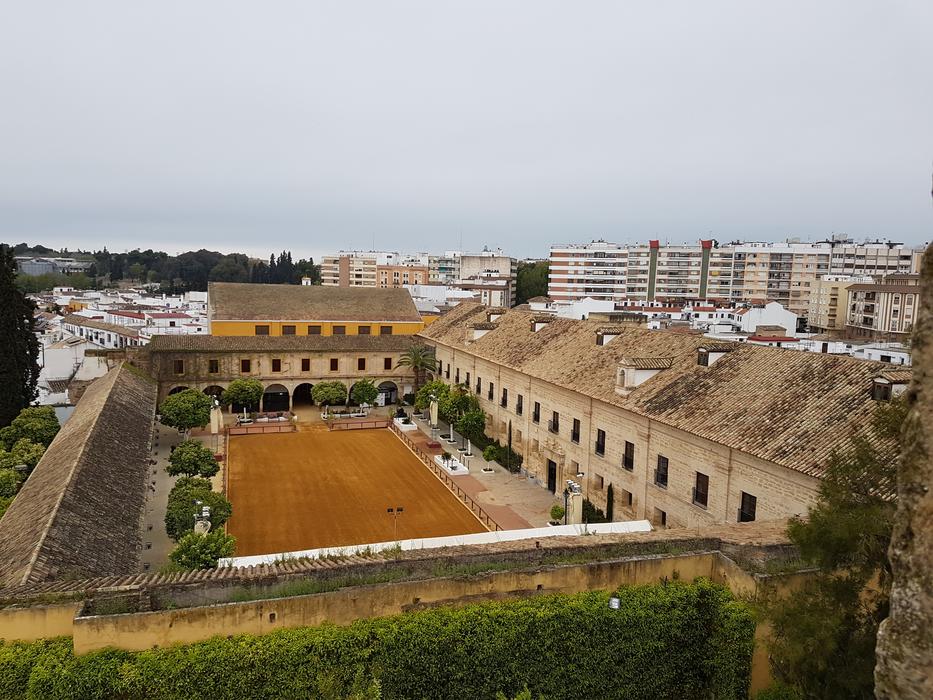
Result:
pixel 19 349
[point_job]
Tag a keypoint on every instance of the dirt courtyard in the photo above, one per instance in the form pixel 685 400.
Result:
pixel 309 489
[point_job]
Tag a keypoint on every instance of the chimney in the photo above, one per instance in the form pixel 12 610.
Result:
pixel 635 371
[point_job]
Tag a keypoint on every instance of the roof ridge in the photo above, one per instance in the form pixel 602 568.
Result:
pixel 53 515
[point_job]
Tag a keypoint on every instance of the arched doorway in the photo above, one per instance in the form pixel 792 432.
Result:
pixel 275 398
pixel 215 391
pixel 177 390
pixel 388 394
pixel 301 396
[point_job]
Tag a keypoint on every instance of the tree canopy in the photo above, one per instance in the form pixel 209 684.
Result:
pixel 196 551
pixel 19 347
pixel 24 451
pixel 38 424
pixel 421 360
pixel 186 410
pixel 191 458
pixel 823 641
pixel 183 506
pixel 530 280
pixel 243 392
pixel 10 481
pixel 329 393
pixel 364 391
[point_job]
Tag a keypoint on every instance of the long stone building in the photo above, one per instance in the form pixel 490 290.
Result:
pixel 685 430
pixel 287 366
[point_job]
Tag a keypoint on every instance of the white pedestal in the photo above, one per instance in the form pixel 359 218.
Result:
pixel 453 466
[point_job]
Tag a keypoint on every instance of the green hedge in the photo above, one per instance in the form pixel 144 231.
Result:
pixel 679 640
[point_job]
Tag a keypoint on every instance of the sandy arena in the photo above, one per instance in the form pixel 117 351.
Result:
pixel 304 490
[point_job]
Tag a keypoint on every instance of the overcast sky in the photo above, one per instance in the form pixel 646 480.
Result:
pixel 313 126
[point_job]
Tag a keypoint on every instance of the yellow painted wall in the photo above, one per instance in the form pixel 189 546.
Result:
pixel 275 327
pixel 37 622
pixel 182 626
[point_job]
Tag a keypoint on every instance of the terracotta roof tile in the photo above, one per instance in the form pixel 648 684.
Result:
pixel 790 408
pixel 284 343
pixel 229 301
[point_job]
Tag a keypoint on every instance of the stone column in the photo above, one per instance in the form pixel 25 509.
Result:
pixel 905 641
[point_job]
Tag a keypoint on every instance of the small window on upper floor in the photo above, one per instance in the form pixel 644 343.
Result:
pixel 213 366
pixel 245 366
pixel 276 365
pixel 385 330
pixel 314 330
pixel 387 363
pixel 340 330
pixel 262 330
pixel 288 330
pixel 179 366
pixel 363 330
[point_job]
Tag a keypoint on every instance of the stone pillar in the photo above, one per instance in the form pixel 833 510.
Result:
pixel 905 641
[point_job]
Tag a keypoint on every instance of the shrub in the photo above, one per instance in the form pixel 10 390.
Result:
pixel 592 514
pixel 329 393
pixel 4 504
pixel 490 453
pixel 676 641
pixel 186 410
pixel 24 451
pixel 197 551
pixel 243 392
pixel 10 481
pixel 38 424
pixel 190 457
pixel 182 507
pixel 557 513
pixel 364 392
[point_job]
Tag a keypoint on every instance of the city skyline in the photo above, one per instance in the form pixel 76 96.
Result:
pixel 423 124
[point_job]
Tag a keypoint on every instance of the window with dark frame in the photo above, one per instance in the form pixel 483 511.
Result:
pixel 660 474
pixel 701 490
pixel 554 424
pixel 575 431
pixel 536 413
pixel 628 457
pixel 385 330
pixel 747 508
pixel 361 364
pixel 213 366
pixel 387 363
pixel 364 330
pixel 457 377
pixel 479 385
pixel 518 404
pixel 314 330
pixel 339 330
pixel 262 330
pixel 467 382
pixel 334 364
pixel 491 392
pixel 601 442
pixel 305 364
pixel 179 366
pixel 288 330
pixel 505 398
pixel 276 365
pixel 245 366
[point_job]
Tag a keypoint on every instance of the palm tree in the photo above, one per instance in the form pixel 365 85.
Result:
pixel 420 358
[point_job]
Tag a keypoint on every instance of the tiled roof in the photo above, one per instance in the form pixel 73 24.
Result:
pixel 293 302
pixel 284 343
pixel 484 326
pixel 78 513
pixel 647 362
pixel 718 347
pixel 898 376
pixel 77 320
pixel 790 408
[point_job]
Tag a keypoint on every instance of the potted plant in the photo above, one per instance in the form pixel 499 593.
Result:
pixel 557 515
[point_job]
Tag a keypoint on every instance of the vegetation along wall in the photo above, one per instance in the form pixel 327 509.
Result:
pixel 675 640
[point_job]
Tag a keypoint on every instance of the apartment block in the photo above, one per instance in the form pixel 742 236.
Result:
pixel 884 310
pixel 737 272
pixel 829 301
pixel 684 430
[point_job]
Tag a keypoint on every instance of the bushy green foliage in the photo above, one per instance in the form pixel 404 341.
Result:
pixel 4 504
pixel 530 280
pixel 420 359
pixel 25 451
pixel 364 391
pixel 435 388
pixel 243 392
pixel 196 551
pixel 592 514
pixel 676 641
pixel 19 346
pixel 10 481
pixel 329 393
pixel 186 410
pixel 38 424
pixel 192 458
pixel 494 452
pixel 182 506
pixel 472 424
pixel 823 638
pixel 557 512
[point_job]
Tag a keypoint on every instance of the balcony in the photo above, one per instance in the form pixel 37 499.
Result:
pixel 553 426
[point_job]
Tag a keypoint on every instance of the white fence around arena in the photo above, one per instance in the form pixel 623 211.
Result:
pixel 451 541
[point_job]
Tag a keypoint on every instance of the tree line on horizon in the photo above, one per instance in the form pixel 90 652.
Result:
pixel 189 271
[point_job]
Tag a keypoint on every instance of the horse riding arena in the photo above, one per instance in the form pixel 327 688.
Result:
pixel 319 488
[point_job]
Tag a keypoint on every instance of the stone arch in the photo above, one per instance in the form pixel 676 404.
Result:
pixel 177 389
pixel 214 390
pixel 276 397
pixel 388 393
pixel 301 396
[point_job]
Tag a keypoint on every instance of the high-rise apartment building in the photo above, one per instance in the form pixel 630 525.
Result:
pixel 741 271
pixel 884 310
pixel 829 301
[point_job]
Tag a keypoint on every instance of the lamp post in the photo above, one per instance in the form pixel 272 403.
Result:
pixel 395 512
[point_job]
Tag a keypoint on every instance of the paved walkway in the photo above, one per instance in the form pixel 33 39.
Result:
pixel 512 500
pixel 157 544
